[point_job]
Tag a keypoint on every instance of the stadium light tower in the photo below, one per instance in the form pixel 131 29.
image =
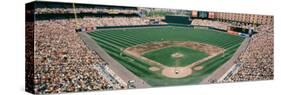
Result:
pixel 75 16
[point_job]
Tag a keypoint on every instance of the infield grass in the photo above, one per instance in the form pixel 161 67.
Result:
pixel 164 56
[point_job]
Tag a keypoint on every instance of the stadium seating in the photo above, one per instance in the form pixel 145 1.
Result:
pixel 215 24
pixel 258 58
pixel 60 57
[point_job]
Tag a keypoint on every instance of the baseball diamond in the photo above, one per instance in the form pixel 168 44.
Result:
pixel 168 55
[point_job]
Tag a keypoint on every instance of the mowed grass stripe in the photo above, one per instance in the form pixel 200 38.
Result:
pixel 132 38
pixel 105 42
pixel 115 41
pixel 121 35
pixel 217 41
pixel 131 41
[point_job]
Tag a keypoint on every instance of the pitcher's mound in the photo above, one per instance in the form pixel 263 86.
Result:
pixel 176 72
pixel 177 55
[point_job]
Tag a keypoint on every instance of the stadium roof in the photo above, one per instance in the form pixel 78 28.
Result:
pixel 53 4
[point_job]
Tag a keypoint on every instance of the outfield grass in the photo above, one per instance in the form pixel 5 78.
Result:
pixel 164 56
pixel 115 40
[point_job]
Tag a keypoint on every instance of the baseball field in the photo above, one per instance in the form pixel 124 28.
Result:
pixel 168 55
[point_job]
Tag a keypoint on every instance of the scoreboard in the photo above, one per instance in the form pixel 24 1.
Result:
pixel 203 14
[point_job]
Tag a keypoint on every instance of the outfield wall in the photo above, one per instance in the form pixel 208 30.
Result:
pixel 177 19
pixel 131 26
pixel 170 24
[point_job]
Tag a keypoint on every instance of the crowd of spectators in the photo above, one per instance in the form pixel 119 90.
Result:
pixel 257 60
pixel 84 10
pixel 112 21
pixel 118 21
pixel 62 62
pixel 211 23
pixel 102 21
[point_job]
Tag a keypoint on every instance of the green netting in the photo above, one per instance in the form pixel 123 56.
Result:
pixel 177 19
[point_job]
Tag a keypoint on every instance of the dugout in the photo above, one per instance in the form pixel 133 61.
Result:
pixel 178 19
pixel 244 32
